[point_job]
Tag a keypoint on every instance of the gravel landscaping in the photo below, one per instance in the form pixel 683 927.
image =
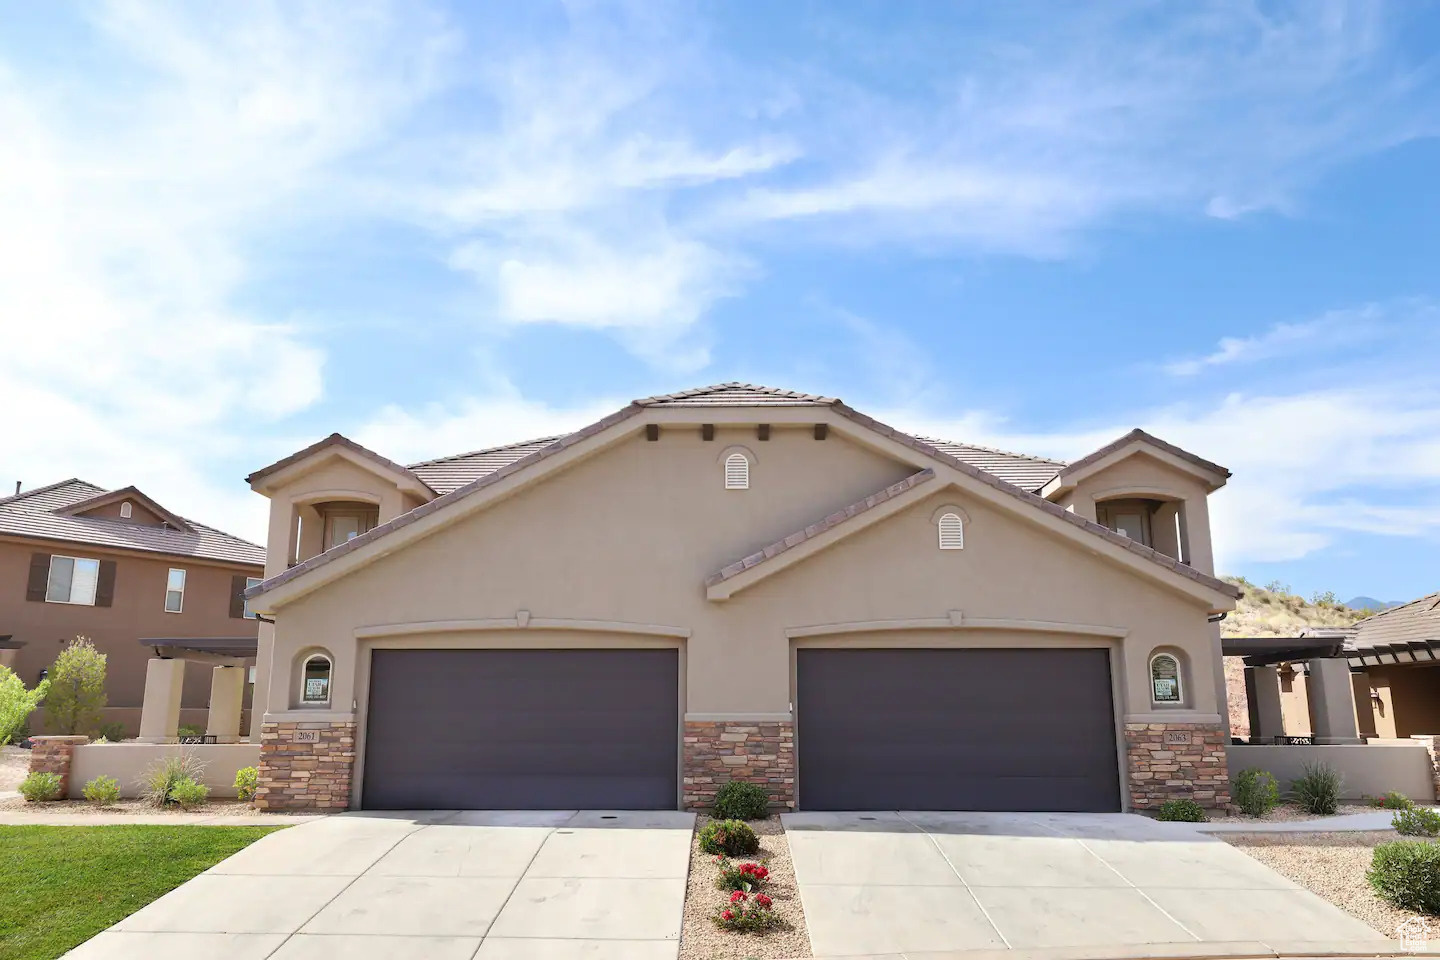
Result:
pixel 700 939
pixel 14 764
pixel 1331 865
pixel 211 808
pixel 1291 812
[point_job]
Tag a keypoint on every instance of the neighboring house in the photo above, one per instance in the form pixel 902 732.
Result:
pixel 119 568
pixel 741 582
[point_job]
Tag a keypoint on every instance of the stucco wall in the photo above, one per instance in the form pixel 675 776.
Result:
pixel 1369 770
pixel 1409 700
pixel 129 762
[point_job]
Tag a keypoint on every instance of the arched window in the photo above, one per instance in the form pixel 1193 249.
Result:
pixel 315 679
pixel 952 532
pixel 1165 679
pixel 125 510
pixel 737 472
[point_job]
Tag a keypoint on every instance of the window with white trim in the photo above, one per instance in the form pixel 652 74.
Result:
pixel 952 532
pixel 737 472
pixel 126 510
pixel 175 590
pixel 72 580
pixel 1165 680
pixel 249 614
pixel 315 679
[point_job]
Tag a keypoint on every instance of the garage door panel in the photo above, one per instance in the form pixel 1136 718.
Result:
pixel 522 729
pixel 948 729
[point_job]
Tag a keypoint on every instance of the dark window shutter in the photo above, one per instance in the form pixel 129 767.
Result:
pixel 105 585
pixel 237 596
pixel 39 576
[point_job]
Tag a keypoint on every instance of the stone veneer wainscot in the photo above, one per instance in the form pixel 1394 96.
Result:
pixel 305 776
pixel 718 751
pixel 53 755
pixel 1161 769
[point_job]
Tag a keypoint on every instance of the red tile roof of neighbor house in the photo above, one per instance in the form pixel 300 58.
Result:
pixel 44 513
pixel 1016 474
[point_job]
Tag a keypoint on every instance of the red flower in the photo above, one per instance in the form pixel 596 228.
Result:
pixel 737 896
pixel 727 915
pixel 763 900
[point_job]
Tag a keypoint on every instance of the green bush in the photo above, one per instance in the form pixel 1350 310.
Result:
pixel 16 705
pixel 75 703
pixel 189 730
pixel 1416 822
pixel 187 793
pixel 1255 791
pixel 1394 800
pixel 112 732
pixel 1317 789
pixel 246 780
pixel 741 800
pixel 158 785
pixel 1187 811
pixel 102 791
pixel 1406 873
pixel 730 838
pixel 40 786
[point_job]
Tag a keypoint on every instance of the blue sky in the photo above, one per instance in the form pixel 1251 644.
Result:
pixel 227 230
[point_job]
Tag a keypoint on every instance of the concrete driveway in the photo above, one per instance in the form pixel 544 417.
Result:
pixel 910 885
pixel 429 886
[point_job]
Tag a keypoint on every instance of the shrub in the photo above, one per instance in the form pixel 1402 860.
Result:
pixel 1406 873
pixel 246 780
pixel 747 914
pixel 16 705
pixel 113 732
pixel 189 730
pixel 1256 792
pixel 187 793
pixel 733 838
pixel 740 876
pixel 1416 822
pixel 1187 811
pixel 76 699
pixel 1317 789
pixel 741 800
pixel 40 786
pixel 102 791
pixel 159 782
pixel 1394 800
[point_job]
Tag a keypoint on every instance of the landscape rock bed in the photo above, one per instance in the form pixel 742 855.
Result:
pixel 1293 813
pixel 701 939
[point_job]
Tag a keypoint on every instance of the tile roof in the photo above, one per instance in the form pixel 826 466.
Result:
pixel 1024 471
pixel 334 440
pixel 1141 435
pixel 33 514
pixel 1415 622
pixel 451 473
pixel 735 393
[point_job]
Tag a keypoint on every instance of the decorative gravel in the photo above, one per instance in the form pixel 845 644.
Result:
pixel 14 765
pixel 210 808
pixel 1291 812
pixel 1332 865
pixel 700 939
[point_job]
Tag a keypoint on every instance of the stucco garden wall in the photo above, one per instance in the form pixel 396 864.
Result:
pixel 1370 769
pixel 128 763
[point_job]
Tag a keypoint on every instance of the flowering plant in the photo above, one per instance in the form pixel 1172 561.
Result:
pixel 740 876
pixel 747 914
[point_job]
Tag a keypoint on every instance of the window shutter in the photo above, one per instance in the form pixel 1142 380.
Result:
pixel 39 577
pixel 105 585
pixel 237 596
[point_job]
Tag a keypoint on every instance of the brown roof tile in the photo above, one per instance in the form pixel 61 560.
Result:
pixel 1415 622
pixel 450 473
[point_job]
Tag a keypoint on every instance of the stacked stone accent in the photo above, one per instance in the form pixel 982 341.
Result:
pixel 53 755
pixel 1177 761
pixel 761 751
pixel 1431 744
pixel 305 776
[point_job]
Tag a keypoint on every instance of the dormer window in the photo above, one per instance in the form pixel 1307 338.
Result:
pixel 952 532
pixel 1129 518
pixel 126 510
pixel 737 472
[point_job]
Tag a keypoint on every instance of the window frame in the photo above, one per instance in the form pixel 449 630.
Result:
pixel 245 612
pixel 742 477
pixel 180 607
pixel 305 700
pixel 1179 699
pixel 94 582
pixel 127 510
pixel 957 531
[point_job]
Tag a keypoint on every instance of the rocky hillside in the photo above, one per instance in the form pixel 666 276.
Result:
pixel 1273 611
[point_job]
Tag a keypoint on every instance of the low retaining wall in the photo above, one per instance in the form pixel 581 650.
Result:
pixel 1369 769
pixel 128 762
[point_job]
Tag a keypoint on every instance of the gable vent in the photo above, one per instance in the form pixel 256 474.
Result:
pixel 737 472
pixel 952 532
pixel 125 510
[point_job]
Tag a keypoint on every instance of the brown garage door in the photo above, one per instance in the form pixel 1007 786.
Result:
pixel 522 730
pixel 956 730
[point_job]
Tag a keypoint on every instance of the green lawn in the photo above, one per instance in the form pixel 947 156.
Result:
pixel 59 886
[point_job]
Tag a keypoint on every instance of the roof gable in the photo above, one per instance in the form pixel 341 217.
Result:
pixel 267 478
pixel 1134 443
pixel 127 493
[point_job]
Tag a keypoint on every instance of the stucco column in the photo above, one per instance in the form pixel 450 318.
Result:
pixel 312 533
pixel 1262 693
pixel 160 712
pixel 1164 535
pixel 227 693
pixel 1332 700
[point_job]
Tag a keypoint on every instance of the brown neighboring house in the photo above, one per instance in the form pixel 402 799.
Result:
pixel 741 582
pixel 119 568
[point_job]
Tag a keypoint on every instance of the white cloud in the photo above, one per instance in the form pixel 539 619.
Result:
pixel 1337 328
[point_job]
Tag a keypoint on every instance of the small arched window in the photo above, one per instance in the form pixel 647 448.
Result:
pixel 737 472
pixel 315 679
pixel 952 532
pixel 126 510
pixel 1165 680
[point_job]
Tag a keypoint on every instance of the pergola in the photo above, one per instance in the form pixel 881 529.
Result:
pixel 165 681
pixel 1327 686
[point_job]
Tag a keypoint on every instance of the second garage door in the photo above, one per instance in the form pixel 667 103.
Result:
pixel 522 729
pixel 930 729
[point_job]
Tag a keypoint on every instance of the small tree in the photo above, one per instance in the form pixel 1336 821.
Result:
pixel 76 701
pixel 17 703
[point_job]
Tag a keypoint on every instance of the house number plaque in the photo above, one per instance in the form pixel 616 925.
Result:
pixel 1177 738
pixel 307 736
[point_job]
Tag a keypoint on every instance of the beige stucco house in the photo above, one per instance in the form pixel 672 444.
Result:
pixel 740 581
